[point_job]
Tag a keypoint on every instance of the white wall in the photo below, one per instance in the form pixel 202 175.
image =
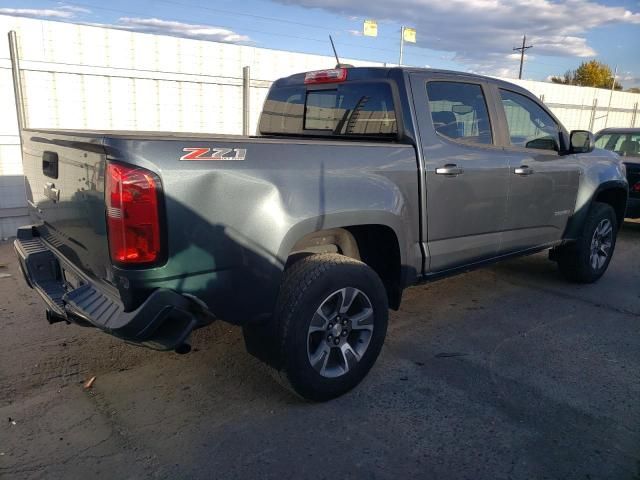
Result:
pixel 12 191
pixel 83 77
pixel 574 105
pixel 98 78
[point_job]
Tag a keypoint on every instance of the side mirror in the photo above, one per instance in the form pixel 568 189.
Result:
pixel 581 141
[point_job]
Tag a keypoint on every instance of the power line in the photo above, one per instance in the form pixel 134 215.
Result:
pixel 309 25
pixel 260 17
pixel 522 50
pixel 241 14
pixel 415 54
pixel 282 35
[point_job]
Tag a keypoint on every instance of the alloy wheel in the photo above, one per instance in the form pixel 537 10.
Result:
pixel 340 332
pixel 601 244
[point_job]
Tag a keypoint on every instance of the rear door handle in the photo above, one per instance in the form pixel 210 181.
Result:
pixel 523 170
pixel 450 170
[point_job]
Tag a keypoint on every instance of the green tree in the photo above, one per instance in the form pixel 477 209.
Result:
pixel 589 74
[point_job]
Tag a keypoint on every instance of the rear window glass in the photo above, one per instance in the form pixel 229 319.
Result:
pixel 357 109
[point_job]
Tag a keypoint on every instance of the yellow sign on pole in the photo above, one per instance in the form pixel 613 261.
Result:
pixel 370 28
pixel 409 34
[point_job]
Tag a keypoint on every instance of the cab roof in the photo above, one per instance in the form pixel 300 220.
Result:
pixel 383 73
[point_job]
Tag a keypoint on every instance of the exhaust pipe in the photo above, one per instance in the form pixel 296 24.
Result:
pixel 184 347
pixel 55 317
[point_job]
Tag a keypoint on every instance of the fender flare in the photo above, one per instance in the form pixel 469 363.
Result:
pixel 573 228
pixel 341 220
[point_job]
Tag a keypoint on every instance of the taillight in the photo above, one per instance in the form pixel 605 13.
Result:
pixel 131 197
pixel 326 76
pixel 636 188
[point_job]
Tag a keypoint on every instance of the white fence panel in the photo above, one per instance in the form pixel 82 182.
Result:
pixel 574 106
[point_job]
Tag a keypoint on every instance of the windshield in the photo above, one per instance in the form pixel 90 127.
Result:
pixel 624 144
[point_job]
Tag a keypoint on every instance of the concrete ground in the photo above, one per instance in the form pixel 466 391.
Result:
pixel 504 373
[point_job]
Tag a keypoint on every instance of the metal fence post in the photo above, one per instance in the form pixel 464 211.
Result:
pixel 593 114
pixel 635 114
pixel 246 97
pixel 17 80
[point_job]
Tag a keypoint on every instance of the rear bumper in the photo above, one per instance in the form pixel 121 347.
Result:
pixel 633 208
pixel 163 322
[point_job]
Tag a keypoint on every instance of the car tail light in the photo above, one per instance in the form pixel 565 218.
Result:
pixel 326 76
pixel 636 187
pixel 131 196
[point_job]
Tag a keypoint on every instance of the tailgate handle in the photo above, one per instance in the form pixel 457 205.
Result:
pixel 50 164
pixel 51 192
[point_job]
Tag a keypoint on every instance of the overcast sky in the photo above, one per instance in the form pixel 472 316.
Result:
pixel 468 35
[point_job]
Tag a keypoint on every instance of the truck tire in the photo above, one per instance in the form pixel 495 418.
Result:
pixel 586 260
pixel 331 317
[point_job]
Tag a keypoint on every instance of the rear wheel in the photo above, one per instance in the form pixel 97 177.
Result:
pixel 340 332
pixel 587 259
pixel 331 321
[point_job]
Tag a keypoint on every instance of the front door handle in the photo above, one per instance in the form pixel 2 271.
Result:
pixel 450 170
pixel 523 170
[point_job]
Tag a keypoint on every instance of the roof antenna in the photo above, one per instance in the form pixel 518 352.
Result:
pixel 338 64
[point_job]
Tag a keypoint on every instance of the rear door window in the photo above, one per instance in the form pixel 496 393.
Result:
pixel 530 126
pixel 459 111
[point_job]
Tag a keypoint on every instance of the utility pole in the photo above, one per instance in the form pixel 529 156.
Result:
pixel 17 80
pixel 522 50
pixel 613 84
pixel 401 45
pixel 407 34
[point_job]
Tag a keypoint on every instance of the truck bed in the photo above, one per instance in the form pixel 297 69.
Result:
pixel 161 135
pixel 223 221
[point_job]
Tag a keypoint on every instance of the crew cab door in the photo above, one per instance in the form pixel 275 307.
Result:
pixel 543 184
pixel 466 173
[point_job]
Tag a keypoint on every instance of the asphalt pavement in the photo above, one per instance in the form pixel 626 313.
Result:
pixel 508 372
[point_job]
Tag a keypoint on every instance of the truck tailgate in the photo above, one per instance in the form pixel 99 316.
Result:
pixel 65 190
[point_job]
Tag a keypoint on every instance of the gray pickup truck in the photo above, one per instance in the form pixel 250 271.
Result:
pixel 362 182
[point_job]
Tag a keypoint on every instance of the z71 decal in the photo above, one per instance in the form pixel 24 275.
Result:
pixel 203 153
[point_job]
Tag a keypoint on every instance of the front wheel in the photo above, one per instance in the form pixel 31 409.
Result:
pixel 587 259
pixel 332 320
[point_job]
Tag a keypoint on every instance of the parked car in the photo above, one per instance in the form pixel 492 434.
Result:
pixel 363 182
pixel 626 143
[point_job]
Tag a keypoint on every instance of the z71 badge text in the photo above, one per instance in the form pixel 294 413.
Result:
pixel 203 153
